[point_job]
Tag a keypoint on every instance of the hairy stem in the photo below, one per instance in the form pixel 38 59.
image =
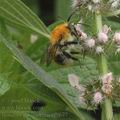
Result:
pixel 107 112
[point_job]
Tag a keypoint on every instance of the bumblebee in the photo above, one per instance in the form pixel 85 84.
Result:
pixel 62 36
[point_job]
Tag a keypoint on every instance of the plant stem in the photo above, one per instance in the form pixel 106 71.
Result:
pixel 107 112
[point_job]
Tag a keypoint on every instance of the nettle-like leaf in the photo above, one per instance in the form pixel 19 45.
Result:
pixel 17 13
pixel 29 90
pixel 87 72
pixel 41 75
pixel 4 84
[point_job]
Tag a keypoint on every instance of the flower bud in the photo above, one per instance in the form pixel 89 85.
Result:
pixel 106 29
pixel 78 29
pixel 82 100
pixel 107 89
pixel 98 97
pixel 102 37
pixel 107 78
pixel 107 83
pixel 83 36
pixel 99 50
pixel 73 80
pixel 90 43
pixel 116 38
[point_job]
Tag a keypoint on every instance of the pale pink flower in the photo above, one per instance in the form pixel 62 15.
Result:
pixel 107 89
pixel 81 89
pixel 90 43
pixel 106 29
pixel 81 100
pixel 79 30
pixel 78 27
pixel 98 97
pixel 83 36
pixel 107 78
pixel 99 50
pixel 107 83
pixel 102 37
pixel 116 38
pixel 73 80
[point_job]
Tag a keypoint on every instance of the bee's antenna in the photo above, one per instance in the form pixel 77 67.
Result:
pixel 61 18
pixel 68 20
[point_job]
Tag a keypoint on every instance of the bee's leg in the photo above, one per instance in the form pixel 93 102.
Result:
pixel 69 56
pixel 74 52
pixel 68 43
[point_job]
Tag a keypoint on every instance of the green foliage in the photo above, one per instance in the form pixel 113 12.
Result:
pixel 39 73
pixel 4 85
pixel 23 81
pixel 65 11
pixel 20 15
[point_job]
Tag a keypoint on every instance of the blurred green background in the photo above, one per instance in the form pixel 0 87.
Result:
pixel 50 10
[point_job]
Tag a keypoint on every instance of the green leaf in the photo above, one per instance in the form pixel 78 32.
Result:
pixel 41 75
pixel 114 63
pixel 18 14
pixel 64 12
pixel 4 85
pixel 86 73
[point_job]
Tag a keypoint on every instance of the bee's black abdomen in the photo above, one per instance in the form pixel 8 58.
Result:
pixel 37 105
pixel 60 58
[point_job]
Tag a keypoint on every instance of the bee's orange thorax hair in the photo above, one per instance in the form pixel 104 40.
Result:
pixel 61 32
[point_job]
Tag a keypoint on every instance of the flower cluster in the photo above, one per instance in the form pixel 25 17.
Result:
pixel 114 4
pixel 74 82
pixel 98 43
pixel 107 83
pixel 91 5
pixel 98 97
pixel 96 91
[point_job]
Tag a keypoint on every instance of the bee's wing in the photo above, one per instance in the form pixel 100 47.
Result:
pixel 44 55
pixel 48 55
